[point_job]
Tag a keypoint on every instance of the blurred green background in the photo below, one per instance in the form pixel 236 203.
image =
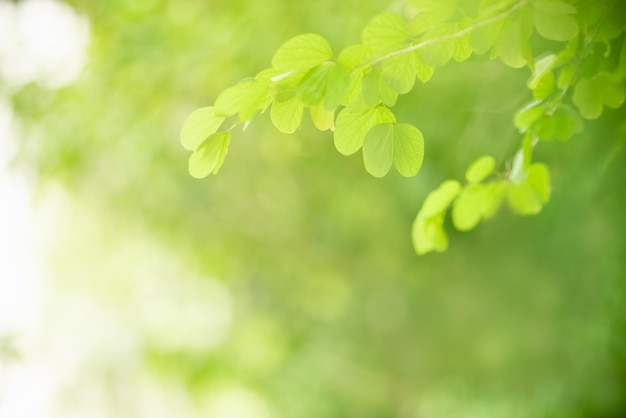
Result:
pixel 287 286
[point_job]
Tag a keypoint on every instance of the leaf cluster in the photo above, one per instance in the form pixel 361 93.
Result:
pixel 579 71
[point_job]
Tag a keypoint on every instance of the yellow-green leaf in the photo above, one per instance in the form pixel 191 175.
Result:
pixel 287 116
pixel 480 169
pixel 302 52
pixel 209 156
pixel 198 126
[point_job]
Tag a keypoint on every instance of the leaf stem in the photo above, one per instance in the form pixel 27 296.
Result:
pixel 455 35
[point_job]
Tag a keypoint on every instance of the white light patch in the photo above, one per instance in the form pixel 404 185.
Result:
pixel 41 41
pixel 238 402
pixel 21 286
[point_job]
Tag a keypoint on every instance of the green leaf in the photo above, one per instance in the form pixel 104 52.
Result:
pixel 544 86
pixel 400 144
pixel 528 115
pixel 591 94
pixel 566 76
pixel 439 52
pixel 553 7
pixel 328 82
pixel 435 10
pixel 322 119
pixel 495 195
pixel 422 22
pixel 354 122
pixel 545 127
pixel 523 199
pixel 198 126
pixel 337 84
pixel 552 20
pixel 313 86
pixel 286 84
pixel 542 66
pixel 439 199
pixel 561 125
pixel 384 32
pixel 528 197
pixel 399 72
pixel 518 169
pixel 353 56
pixel 209 156
pixel 428 235
pixel 609 90
pixel 408 149
pixel 512 47
pixel 302 52
pixel 376 90
pixel 287 116
pixel 354 88
pixel 462 48
pixel 378 149
pixel 539 178
pixel 245 98
pixel 567 123
pixel 483 38
pixel 469 207
pixel 424 72
pixel 480 169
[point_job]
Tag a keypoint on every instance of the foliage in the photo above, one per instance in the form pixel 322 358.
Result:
pixel 581 61
pixel 331 313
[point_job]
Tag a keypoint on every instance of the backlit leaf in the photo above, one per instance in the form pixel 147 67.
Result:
pixel 378 149
pixel 428 235
pixel 287 116
pixel 376 90
pixel 528 197
pixel 439 199
pixel 408 149
pixel 483 38
pixel 462 48
pixel 544 86
pixel 327 84
pixel 495 193
pixel 552 20
pixel 354 122
pixel 385 31
pixel 591 94
pixel 480 169
pixel 198 126
pixel 209 156
pixel 302 52
pixel 512 46
pixel 435 10
pixel 322 118
pixel 424 72
pixel 245 98
pixel 468 208
pixel 528 115
pixel 539 178
pixel 523 199
pixel 438 53
pixel 542 66
pixel 565 76
pixel 399 144
pixel 399 72
pixel 337 84
pixel 353 56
